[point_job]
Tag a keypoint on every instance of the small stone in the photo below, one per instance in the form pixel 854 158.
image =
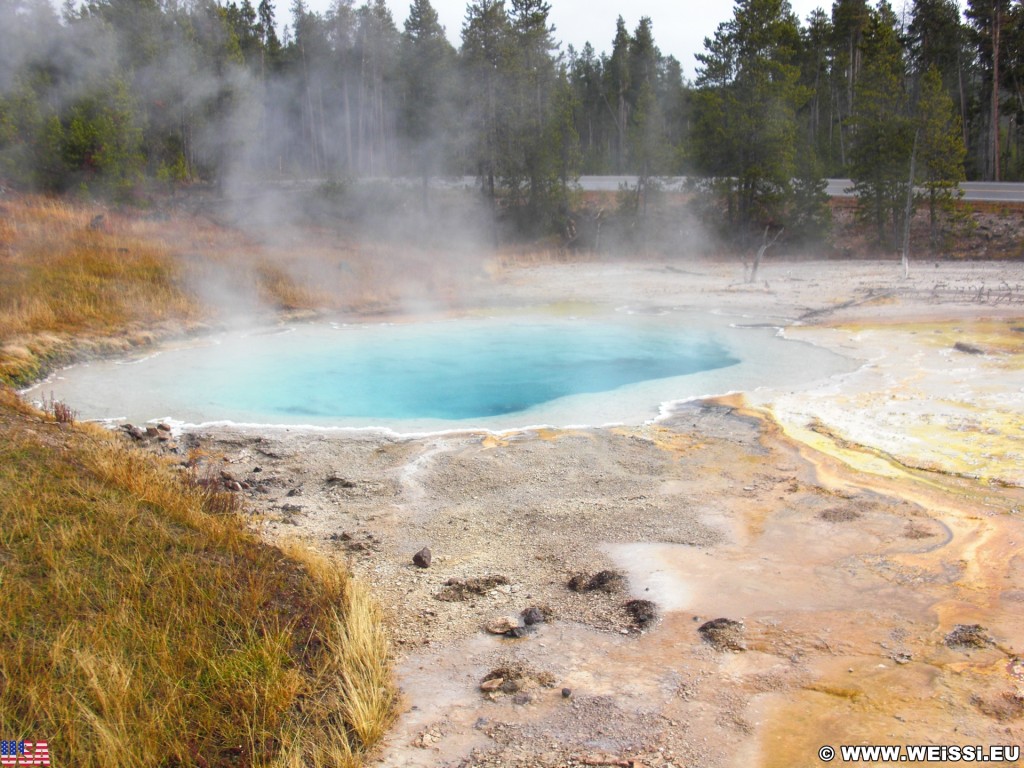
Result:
pixel 968 349
pixel 487 686
pixel 233 485
pixel 501 626
pixel 422 558
pixel 152 432
pixel 566 693
pixel 163 427
pixel 226 476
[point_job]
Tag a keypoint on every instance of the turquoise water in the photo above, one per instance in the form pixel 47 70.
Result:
pixel 449 371
pixel 492 373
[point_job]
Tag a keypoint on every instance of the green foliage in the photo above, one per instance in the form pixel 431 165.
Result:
pixel 941 150
pixel 746 106
pixel 883 131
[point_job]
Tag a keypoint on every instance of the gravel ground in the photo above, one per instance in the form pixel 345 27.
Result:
pixel 843 581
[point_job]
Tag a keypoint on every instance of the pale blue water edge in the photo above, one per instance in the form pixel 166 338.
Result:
pixel 494 373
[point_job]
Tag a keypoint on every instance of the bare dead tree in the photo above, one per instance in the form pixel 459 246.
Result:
pixel 908 211
pixel 765 245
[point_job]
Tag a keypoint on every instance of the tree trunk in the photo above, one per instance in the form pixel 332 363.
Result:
pixel 908 210
pixel 996 25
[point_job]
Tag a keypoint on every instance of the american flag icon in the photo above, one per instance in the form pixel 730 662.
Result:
pixel 24 753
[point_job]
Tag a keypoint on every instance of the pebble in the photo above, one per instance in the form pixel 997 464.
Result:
pixel 422 558
pixel 501 626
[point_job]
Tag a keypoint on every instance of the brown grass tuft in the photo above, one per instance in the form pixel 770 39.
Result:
pixel 143 626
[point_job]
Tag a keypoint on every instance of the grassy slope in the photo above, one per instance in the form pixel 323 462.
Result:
pixel 141 625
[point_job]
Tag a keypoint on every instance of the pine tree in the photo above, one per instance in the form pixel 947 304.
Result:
pixel 426 68
pixel 485 52
pixel 941 149
pixel 987 18
pixel 936 38
pixel 748 95
pixel 618 86
pixel 882 130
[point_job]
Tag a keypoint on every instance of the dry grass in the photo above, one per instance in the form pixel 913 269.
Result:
pixel 140 629
pixel 73 286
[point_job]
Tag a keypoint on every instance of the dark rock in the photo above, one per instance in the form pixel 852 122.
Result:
pixel 518 632
pixel 723 634
pixel 341 537
pixel 968 636
pixel 970 349
pixel 340 482
pixel 294 492
pixel 533 615
pixel 643 612
pixel 605 581
pixel 566 693
pixel 291 508
pixel 257 469
pixel 511 686
pixel 133 432
pixel 163 427
pixel 163 437
pixel 422 558
pixel 152 431
pixel 522 699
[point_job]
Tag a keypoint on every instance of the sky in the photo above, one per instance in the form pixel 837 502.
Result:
pixel 680 26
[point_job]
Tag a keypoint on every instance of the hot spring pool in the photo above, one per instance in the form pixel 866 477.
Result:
pixel 491 373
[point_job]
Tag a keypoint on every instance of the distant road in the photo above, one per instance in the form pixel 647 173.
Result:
pixel 989 191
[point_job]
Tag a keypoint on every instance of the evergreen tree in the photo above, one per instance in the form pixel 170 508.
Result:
pixel 426 65
pixel 936 38
pixel 882 130
pixel 941 150
pixel 618 86
pixel 987 18
pixel 485 53
pixel 745 135
pixel 849 20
